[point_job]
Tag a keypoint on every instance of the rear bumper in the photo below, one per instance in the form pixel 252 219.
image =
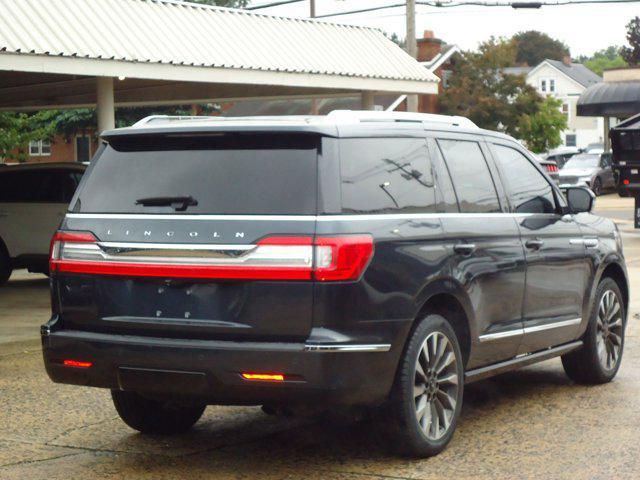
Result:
pixel 347 374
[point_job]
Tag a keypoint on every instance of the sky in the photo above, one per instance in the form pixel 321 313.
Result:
pixel 584 28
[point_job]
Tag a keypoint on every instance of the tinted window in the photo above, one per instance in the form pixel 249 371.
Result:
pixel 232 174
pixel 40 186
pixel 470 175
pixel 386 175
pixel 529 191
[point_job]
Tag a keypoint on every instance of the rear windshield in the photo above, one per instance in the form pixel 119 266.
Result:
pixel 224 174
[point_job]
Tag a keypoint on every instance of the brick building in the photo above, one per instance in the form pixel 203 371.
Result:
pixel 79 148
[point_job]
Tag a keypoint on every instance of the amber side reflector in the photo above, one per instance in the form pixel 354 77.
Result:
pixel 76 364
pixel 264 377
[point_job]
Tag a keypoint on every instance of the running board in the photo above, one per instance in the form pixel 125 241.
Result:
pixel 519 361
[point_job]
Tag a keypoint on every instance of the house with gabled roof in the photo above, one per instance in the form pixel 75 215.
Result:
pixel 566 81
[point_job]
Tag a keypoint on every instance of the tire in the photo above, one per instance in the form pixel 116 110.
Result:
pixel 596 186
pixel 599 359
pixel 418 386
pixel 5 265
pixel 155 417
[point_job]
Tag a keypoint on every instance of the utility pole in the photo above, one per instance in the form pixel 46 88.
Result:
pixel 312 14
pixel 411 47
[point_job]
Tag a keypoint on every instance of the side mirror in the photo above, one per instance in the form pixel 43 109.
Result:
pixel 580 199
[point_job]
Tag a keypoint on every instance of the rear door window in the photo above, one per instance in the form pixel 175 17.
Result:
pixel 224 173
pixel 382 175
pixel 470 175
pixel 29 186
pixel 529 191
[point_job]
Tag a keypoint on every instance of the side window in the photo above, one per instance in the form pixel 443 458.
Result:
pixel 386 175
pixel 14 187
pixel 63 185
pixel 529 191
pixel 470 175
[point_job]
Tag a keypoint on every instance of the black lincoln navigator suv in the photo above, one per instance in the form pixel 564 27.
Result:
pixel 361 259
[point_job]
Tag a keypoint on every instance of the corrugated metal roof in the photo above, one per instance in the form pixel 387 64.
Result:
pixel 181 33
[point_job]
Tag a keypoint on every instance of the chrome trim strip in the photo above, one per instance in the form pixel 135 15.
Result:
pixel 328 347
pixel 550 326
pixel 489 337
pixel 302 218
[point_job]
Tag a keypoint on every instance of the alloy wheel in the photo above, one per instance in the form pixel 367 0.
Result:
pixel 609 330
pixel 436 385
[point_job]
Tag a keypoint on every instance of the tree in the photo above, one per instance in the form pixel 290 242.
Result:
pixel 604 59
pixel 18 129
pixel 533 47
pixel 479 89
pixel 632 54
pixel 541 130
pixel 223 3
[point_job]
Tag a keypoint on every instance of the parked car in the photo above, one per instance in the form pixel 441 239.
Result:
pixel 368 259
pixel 550 167
pixel 592 170
pixel 562 155
pixel 594 148
pixel 33 201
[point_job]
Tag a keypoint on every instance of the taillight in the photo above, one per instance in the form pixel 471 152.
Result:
pixel 551 168
pixel 335 258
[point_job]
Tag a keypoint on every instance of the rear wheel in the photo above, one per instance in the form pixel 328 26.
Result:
pixel 153 416
pixel 427 395
pixel 599 360
pixel 5 265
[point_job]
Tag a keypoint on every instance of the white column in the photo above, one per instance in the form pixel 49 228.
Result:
pixel 368 101
pixel 606 139
pixel 106 104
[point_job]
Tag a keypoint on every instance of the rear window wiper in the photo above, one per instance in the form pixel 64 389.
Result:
pixel 179 202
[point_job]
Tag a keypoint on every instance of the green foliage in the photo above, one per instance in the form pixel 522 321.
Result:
pixel 18 129
pixel 632 53
pixel 223 3
pixel 604 59
pixel 541 130
pixel 480 91
pixel 533 47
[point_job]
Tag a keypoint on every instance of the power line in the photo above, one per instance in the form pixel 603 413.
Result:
pixel 445 4
pixel 273 4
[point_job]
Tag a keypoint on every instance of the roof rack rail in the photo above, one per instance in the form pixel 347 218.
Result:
pixel 362 116
pixel 168 119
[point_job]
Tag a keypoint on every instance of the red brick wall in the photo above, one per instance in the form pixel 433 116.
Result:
pixel 62 150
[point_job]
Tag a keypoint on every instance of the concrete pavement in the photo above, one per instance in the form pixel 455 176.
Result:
pixel 533 423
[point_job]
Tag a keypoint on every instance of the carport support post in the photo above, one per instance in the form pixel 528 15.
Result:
pixel 368 101
pixel 607 128
pixel 106 104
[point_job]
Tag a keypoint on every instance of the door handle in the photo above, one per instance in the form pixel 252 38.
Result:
pixel 464 248
pixel 534 244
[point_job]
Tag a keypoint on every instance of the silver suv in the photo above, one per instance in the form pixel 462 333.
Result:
pixel 589 169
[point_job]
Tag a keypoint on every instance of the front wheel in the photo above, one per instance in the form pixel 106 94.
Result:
pixel 427 395
pixel 599 359
pixel 153 416
pixel 596 188
pixel 5 265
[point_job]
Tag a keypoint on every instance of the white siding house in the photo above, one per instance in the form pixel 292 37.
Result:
pixel 567 81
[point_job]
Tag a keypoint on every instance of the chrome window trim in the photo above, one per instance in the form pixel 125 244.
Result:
pixel 489 337
pixel 302 218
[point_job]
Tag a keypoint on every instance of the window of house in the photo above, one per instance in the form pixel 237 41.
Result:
pixel 543 85
pixel 552 85
pixel 446 78
pixel 39 148
pixel 570 140
pixel 471 177
pixel 83 148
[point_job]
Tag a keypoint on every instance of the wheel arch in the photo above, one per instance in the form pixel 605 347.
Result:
pixel 618 274
pixel 447 298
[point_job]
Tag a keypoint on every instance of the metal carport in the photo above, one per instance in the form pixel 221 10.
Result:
pixel 107 53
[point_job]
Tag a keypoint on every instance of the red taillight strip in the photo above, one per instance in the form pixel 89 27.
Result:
pixel 181 271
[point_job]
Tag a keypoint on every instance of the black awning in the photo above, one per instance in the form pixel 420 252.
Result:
pixel 612 99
